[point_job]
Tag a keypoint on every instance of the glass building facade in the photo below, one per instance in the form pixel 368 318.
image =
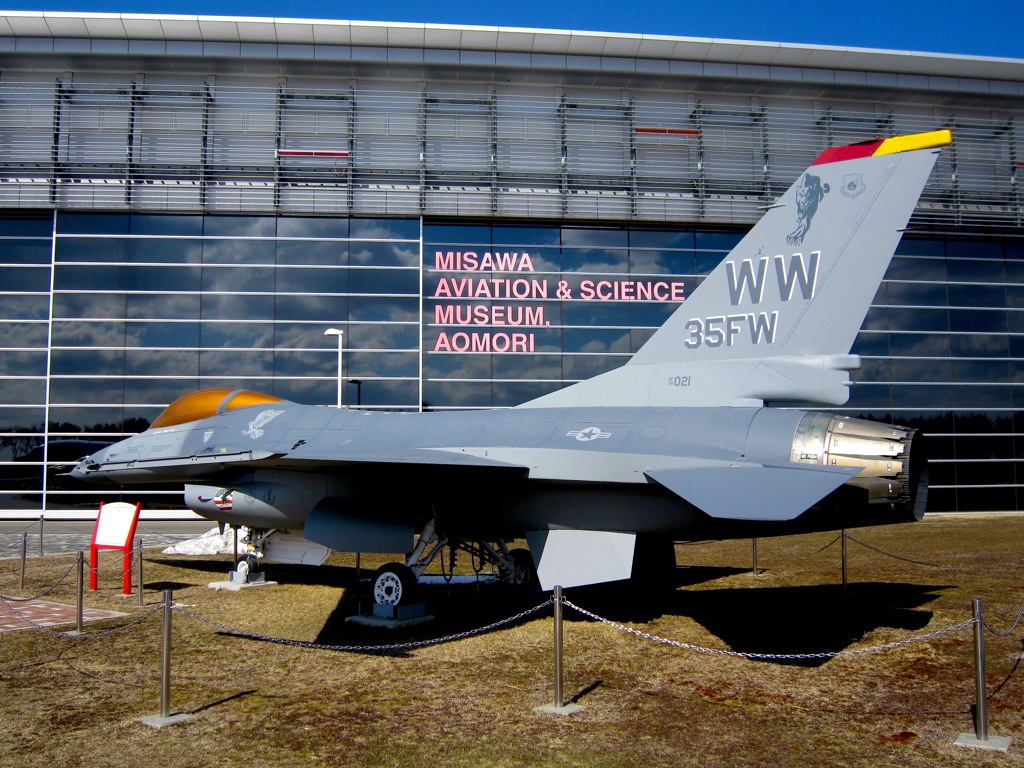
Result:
pixel 484 227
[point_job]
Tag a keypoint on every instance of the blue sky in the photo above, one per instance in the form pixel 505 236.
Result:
pixel 988 28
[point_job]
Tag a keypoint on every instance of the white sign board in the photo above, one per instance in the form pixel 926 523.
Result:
pixel 115 524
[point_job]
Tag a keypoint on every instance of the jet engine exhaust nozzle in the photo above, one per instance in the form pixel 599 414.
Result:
pixel 892 473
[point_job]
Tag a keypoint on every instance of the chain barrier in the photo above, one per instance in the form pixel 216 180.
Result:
pixel 778 547
pixel 131 565
pixel 7 600
pixel 44 593
pixel 773 544
pixel 122 627
pixel 363 648
pixel 769 656
pixel 90 570
pixel 31 526
pixel 972 567
pixel 42 558
pixel 72 635
pixel 1008 632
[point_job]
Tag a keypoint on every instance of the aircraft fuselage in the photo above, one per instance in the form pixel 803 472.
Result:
pixel 503 472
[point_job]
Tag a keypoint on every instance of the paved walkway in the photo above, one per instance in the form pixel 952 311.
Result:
pixel 61 538
pixel 41 613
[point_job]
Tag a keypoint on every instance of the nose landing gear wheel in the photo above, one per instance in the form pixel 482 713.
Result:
pixel 247 569
pixel 394 584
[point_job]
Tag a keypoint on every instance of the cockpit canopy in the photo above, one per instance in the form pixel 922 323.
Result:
pixel 208 402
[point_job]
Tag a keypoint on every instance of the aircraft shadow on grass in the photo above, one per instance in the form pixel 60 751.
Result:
pixel 334 576
pixel 811 619
pixel 464 607
pixel 761 620
pixel 174 586
pixel 757 619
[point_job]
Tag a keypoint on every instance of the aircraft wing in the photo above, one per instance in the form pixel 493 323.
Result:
pixel 753 491
pixel 187 466
pixel 299 459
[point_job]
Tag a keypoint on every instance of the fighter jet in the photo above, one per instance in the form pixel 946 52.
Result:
pixel 686 441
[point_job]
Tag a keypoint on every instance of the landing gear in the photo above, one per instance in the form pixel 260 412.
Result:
pixel 247 571
pixel 248 566
pixel 518 571
pixel 394 584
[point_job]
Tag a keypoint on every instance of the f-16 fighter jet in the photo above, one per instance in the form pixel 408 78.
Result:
pixel 600 478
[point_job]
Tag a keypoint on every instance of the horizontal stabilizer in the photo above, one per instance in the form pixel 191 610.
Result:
pixel 746 492
pixel 573 558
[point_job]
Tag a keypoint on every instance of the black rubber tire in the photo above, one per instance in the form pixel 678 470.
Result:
pixel 248 564
pixel 525 575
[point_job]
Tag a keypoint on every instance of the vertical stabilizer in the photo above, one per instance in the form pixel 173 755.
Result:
pixel 777 318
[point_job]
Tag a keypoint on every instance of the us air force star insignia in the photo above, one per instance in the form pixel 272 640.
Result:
pixel 590 433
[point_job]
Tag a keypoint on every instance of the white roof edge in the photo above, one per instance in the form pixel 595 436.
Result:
pixel 256 29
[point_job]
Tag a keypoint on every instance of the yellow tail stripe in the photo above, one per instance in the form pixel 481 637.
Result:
pixel 915 141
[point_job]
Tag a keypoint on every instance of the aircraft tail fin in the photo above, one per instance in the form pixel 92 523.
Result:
pixel 777 318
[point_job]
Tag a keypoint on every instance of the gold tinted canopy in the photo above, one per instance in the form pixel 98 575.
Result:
pixel 208 402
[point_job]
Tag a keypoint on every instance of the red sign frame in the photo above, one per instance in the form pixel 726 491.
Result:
pixel 115 529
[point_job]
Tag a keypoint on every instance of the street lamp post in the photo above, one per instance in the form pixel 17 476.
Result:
pixel 359 390
pixel 341 335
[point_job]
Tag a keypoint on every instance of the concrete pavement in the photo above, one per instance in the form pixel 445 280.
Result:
pixel 63 537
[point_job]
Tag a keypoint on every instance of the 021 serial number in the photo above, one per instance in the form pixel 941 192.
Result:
pixel 679 381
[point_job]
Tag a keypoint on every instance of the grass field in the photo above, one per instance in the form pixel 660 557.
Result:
pixel 471 702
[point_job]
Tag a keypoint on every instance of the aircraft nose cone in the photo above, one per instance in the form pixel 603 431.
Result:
pixel 86 468
pixel 80 471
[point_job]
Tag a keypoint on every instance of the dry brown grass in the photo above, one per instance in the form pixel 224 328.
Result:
pixel 471 702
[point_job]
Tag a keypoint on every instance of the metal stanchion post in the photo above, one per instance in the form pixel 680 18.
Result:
pixel 845 582
pixel 980 737
pixel 41 535
pixel 138 565
pixel 24 553
pixel 980 692
pixel 165 658
pixel 559 707
pixel 754 554
pixel 558 648
pixel 81 592
pixel 165 717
